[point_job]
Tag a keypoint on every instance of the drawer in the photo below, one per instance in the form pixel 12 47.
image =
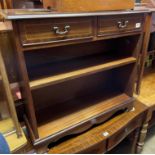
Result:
pixel 99 148
pixel 33 32
pixel 123 133
pixel 110 25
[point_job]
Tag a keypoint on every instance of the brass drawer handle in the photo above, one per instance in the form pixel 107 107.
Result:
pixel 57 30
pixel 123 25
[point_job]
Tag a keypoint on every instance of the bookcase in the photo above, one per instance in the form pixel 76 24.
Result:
pixel 77 69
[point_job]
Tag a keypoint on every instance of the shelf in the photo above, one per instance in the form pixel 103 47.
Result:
pixel 43 82
pixel 92 108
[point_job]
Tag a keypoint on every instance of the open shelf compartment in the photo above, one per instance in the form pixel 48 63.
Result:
pixel 71 104
pixel 59 64
pixel 96 112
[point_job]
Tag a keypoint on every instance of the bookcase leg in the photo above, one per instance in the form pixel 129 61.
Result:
pixel 141 139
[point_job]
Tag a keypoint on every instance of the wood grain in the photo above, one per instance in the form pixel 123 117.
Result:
pixel 88 5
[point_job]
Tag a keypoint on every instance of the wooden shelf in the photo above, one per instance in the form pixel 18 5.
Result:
pixel 96 108
pixel 43 82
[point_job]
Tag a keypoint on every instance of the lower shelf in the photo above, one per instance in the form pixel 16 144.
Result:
pixel 81 120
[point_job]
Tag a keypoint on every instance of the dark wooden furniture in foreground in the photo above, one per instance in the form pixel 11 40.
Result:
pixel 103 138
pixel 77 69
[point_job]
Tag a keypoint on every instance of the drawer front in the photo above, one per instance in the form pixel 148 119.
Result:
pixel 33 32
pixel 110 25
pixel 123 133
pixel 99 148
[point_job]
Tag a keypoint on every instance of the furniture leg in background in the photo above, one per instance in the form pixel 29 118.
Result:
pixel 134 140
pixel 9 95
pixel 142 137
pixel 9 126
pixel 143 132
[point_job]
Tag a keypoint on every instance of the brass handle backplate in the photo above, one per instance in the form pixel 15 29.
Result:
pixel 57 30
